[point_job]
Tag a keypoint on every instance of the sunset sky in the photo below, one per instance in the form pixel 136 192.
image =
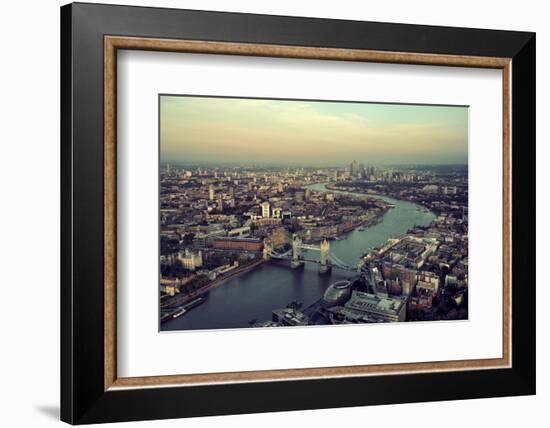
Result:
pixel 252 131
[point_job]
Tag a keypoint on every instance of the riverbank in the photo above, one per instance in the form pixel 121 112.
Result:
pixel 361 225
pixel 342 230
pixel 345 190
pixel 391 199
pixel 377 195
pixel 360 192
pixel 183 299
pixel 268 286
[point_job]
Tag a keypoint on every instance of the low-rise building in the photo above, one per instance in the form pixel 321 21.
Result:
pixel 204 240
pixel 366 307
pixel 190 260
pixel 290 317
pixel 241 232
pixel 238 244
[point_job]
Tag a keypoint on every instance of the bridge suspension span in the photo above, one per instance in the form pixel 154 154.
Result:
pixel 326 261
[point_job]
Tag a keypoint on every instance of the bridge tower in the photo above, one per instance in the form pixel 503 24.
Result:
pixel 296 261
pixel 268 249
pixel 324 248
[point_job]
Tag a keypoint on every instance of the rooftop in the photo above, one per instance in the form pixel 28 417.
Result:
pixel 372 303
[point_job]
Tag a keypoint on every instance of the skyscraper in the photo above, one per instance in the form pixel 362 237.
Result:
pixel 356 169
pixel 354 166
pixel 265 209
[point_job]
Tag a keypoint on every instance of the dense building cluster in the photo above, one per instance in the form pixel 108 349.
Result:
pixel 442 190
pixel 214 219
pixel 217 222
pixel 428 267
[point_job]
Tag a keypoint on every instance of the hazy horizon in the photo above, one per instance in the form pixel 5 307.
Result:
pixel 297 164
pixel 203 130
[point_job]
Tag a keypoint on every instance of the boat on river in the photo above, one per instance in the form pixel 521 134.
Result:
pixel 183 309
pixel 178 313
pixel 252 297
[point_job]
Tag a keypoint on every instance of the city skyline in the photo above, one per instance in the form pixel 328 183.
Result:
pixel 298 164
pixel 203 130
pixel 280 247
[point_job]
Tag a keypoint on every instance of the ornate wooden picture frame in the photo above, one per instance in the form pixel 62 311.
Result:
pixel 91 389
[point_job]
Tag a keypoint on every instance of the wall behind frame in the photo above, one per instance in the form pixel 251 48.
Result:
pixel 29 219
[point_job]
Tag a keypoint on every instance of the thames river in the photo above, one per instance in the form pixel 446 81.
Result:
pixel 253 295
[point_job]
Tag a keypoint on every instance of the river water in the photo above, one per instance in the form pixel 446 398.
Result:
pixel 273 285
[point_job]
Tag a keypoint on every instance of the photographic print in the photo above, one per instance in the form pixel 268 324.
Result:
pixel 280 212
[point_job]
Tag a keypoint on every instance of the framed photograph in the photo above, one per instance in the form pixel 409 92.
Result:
pixel 266 213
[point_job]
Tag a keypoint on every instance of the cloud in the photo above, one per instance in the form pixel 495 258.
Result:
pixel 215 129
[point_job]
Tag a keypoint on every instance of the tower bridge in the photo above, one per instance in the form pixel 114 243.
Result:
pixel 326 261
